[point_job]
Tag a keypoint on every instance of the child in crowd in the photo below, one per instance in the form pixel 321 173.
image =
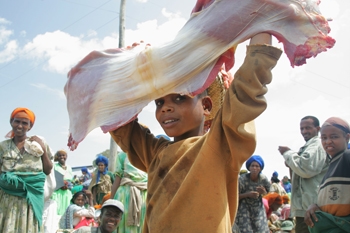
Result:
pixel 332 211
pixel 76 215
pixel 198 165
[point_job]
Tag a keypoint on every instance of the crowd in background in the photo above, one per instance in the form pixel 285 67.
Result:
pixel 301 203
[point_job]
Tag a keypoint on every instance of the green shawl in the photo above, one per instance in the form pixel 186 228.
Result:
pixel 328 223
pixel 26 185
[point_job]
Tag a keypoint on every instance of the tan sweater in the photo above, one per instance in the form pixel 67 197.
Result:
pixel 193 183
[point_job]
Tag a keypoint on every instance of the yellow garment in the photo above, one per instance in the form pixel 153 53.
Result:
pixel 193 183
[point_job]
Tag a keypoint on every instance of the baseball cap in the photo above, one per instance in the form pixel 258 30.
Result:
pixel 115 203
pixel 287 225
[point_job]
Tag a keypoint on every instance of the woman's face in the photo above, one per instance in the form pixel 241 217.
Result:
pixel 80 200
pixel 20 126
pixel 254 168
pixel 61 158
pixel 101 166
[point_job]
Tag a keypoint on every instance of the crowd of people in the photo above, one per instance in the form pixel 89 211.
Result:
pixel 39 193
pixel 191 183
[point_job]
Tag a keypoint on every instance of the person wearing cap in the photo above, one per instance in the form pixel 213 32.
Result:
pixel 209 147
pixel 24 163
pixel 251 214
pixel 331 212
pixel 111 214
pixel 308 166
pixel 286 227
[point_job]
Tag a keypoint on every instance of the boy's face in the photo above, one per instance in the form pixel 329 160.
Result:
pixel 181 116
pixel 333 140
pixel 110 218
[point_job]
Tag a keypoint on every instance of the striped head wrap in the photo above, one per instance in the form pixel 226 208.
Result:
pixel 338 123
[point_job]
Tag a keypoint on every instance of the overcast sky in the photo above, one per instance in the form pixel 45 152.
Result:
pixel 41 40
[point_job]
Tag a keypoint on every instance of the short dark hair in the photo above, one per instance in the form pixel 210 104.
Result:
pixel 314 119
pixel 77 194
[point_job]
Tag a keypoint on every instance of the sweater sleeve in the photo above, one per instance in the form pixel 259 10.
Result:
pixel 310 162
pixel 233 130
pixel 138 142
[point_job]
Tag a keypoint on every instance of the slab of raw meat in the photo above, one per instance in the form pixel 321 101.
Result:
pixel 109 88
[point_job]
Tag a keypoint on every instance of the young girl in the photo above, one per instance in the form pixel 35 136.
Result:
pixel 332 210
pixel 76 214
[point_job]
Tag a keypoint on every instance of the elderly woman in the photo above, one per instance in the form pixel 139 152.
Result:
pixel 24 164
pixel 102 180
pixel 331 213
pixel 63 195
pixel 251 215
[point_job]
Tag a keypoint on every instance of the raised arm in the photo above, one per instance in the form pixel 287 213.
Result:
pixel 261 38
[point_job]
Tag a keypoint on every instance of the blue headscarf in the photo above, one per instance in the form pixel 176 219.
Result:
pixel 275 174
pixel 101 159
pixel 255 158
pixel 84 169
